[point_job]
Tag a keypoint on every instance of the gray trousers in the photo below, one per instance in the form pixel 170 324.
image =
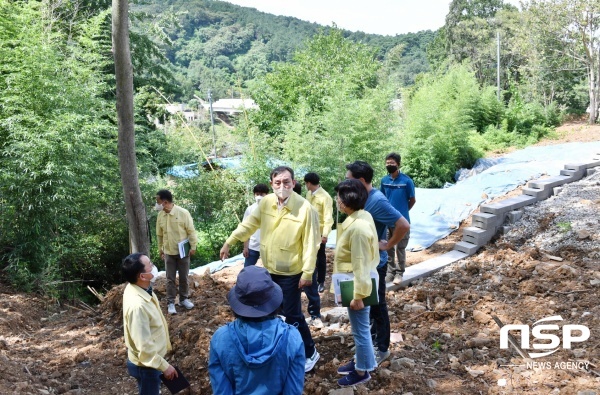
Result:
pixel 174 264
pixel 397 255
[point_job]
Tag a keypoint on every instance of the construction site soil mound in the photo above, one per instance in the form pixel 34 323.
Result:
pixel 445 328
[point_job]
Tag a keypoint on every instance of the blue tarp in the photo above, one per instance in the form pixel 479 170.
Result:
pixel 191 170
pixel 438 212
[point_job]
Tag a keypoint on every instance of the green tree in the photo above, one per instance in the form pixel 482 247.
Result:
pixel 327 100
pixel 62 215
pixel 134 205
pixel 470 34
pixel 329 63
pixel 563 42
pixel 439 118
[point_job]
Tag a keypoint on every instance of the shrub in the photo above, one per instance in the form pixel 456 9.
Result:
pixel 438 120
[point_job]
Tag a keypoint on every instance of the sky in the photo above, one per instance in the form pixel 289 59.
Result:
pixel 387 17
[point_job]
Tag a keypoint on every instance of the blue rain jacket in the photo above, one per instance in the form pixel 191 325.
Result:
pixel 265 357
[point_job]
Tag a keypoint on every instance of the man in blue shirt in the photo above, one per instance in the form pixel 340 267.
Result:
pixel 385 216
pixel 400 191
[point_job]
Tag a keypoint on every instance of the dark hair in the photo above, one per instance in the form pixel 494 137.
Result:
pixel 394 156
pixel 352 193
pixel 132 267
pixel 297 188
pixel 313 178
pixel 260 188
pixel 165 194
pixel 281 169
pixel 360 169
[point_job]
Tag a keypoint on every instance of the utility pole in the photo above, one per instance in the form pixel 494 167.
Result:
pixel 212 122
pixel 498 63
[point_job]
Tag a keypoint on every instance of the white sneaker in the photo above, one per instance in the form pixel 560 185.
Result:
pixel 316 322
pixel 397 279
pixel 186 303
pixel 312 361
pixel 171 309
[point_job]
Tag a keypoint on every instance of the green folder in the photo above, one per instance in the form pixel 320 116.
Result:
pixel 347 291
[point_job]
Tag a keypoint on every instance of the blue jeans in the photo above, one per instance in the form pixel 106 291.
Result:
pixel 380 315
pixel 314 299
pixel 292 308
pixel 365 355
pixel 252 258
pixel 147 378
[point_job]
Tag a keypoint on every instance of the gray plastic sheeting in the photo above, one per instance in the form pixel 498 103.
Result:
pixel 438 212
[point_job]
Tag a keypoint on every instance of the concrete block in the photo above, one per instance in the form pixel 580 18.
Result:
pixel 557 190
pixel 426 268
pixel 486 220
pixel 478 236
pixel 576 166
pixel 539 194
pixel 574 174
pixel 549 182
pixel 591 171
pixel 504 229
pixel 507 205
pixel 514 216
pixel 466 247
pixel 593 163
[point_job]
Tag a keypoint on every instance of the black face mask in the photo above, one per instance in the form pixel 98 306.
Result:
pixel 391 168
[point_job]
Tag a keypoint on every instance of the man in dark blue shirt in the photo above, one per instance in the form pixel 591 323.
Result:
pixel 399 189
pixel 384 216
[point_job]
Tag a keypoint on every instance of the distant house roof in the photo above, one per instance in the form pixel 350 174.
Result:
pixel 231 106
pixel 174 108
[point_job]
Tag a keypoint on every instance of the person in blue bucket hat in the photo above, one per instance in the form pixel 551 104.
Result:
pixel 257 353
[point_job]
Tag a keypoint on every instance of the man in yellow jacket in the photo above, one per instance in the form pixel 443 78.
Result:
pixel 144 326
pixel 323 203
pixel 174 224
pixel 289 240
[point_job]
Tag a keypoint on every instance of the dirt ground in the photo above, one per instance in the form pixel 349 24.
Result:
pixel 445 340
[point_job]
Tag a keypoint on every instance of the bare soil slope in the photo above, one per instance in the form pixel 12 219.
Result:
pixel 444 338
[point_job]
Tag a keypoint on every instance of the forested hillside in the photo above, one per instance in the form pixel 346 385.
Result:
pixel 224 47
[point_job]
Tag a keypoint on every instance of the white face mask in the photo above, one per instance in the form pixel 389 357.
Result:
pixel 154 273
pixel 158 207
pixel 283 193
pixel 258 198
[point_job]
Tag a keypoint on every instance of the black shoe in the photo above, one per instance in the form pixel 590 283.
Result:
pixel 353 379
pixel 321 288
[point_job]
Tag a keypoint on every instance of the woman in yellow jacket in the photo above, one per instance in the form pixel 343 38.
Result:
pixel 357 252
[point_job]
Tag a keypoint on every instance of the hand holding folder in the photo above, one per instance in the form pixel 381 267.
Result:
pixel 184 248
pixel 343 289
pixel 177 384
pixel 347 291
